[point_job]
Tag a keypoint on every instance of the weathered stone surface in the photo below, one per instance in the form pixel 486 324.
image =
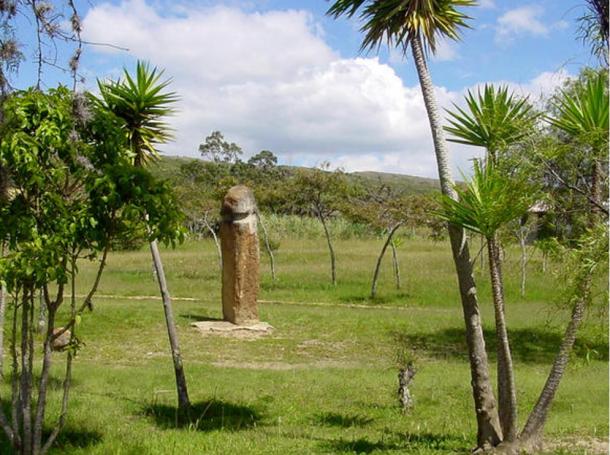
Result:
pixel 228 328
pixel 62 341
pixel 240 256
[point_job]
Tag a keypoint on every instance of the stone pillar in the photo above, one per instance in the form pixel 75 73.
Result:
pixel 240 256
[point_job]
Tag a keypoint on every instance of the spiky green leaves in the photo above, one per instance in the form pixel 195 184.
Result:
pixel 142 103
pixel 487 201
pixel 494 118
pixel 585 116
pixel 397 22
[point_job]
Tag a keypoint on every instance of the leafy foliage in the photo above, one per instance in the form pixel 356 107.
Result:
pixel 73 189
pixel 216 149
pixel 584 114
pixel 486 202
pixel 142 104
pixel 398 22
pixel 494 119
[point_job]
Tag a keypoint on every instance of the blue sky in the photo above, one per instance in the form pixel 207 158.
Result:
pixel 280 75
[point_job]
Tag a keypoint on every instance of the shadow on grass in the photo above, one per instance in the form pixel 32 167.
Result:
pixel 53 383
pixel 198 317
pixel 69 437
pixel 405 443
pixel 205 416
pixel 342 420
pixel 378 300
pixel 530 345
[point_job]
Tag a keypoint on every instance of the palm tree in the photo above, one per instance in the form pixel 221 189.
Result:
pixel 494 119
pixel 583 117
pixel 486 203
pixel 142 103
pixel 416 25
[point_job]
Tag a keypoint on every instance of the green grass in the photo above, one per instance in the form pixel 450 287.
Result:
pixel 325 380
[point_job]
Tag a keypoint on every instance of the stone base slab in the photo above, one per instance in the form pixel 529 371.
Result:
pixel 230 329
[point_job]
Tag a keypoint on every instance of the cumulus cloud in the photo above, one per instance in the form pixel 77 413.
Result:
pixel 524 19
pixel 270 81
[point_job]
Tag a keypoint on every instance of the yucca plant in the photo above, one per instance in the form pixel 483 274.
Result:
pixel 142 103
pixel 417 25
pixel 488 201
pixel 494 119
pixel 584 119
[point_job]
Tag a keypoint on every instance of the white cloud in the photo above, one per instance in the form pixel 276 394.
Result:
pixel 445 51
pixel 487 4
pixel 270 81
pixel 524 19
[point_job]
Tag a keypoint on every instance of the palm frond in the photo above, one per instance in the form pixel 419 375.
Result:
pixel 584 116
pixel 494 118
pixel 397 22
pixel 141 102
pixel 487 201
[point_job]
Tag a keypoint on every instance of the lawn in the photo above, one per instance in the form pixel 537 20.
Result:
pixel 325 380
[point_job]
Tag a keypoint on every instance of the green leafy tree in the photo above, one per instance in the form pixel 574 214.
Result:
pixel 72 188
pixel 265 161
pixel 321 192
pixel 217 149
pixel 142 103
pixel 583 118
pixel 417 25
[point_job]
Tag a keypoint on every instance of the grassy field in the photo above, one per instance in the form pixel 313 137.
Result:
pixel 325 380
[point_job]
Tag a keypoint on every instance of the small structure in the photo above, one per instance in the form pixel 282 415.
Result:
pixel 240 262
pixel 240 256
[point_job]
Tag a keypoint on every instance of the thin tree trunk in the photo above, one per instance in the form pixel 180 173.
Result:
pixel 380 257
pixel 2 310
pixel 395 264
pixel 216 242
pixel 489 431
pixel 333 266
pixel 184 404
pixel 532 432
pixel 523 260
pixel 25 389
pixel 544 261
pixel 481 255
pixel 268 247
pixel 507 395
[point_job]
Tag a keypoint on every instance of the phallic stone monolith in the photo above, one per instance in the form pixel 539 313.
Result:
pixel 240 256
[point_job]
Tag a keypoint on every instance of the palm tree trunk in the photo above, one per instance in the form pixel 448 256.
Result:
pixel 184 404
pixel 378 264
pixel 268 247
pixel 333 261
pixel 507 394
pixel 489 431
pixel 537 418
pixel 395 264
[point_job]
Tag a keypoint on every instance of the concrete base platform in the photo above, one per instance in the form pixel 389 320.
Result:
pixel 233 330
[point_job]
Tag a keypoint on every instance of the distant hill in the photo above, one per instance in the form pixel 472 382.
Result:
pixel 408 184
pixel 169 167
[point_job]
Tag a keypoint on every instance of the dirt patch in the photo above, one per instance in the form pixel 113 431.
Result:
pixel 593 446
pixel 229 330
